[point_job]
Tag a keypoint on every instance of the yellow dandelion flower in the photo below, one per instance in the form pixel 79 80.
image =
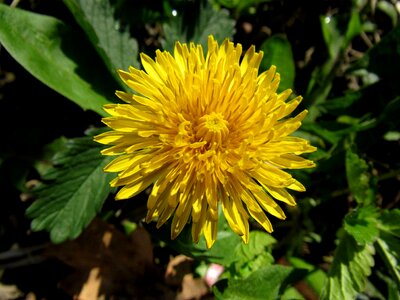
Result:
pixel 203 132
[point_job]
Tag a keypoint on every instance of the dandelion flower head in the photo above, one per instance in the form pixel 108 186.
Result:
pixel 203 132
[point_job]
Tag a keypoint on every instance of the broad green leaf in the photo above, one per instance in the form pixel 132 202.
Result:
pixel 117 49
pixel 254 255
pixel 73 192
pixel 361 225
pixel 267 283
pixel 351 266
pixel 196 27
pixel 359 179
pixel 278 52
pixel 56 55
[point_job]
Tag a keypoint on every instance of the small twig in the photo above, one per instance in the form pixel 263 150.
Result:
pixel 366 40
pixel 15 3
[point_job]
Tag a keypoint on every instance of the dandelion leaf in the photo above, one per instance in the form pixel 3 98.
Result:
pixel 113 42
pixel 388 244
pixel 359 179
pixel 73 191
pixel 362 225
pixel 194 24
pixel 56 55
pixel 351 266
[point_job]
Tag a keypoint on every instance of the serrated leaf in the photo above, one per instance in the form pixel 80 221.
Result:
pixel 63 61
pixel 74 192
pixel 351 266
pixel 389 222
pixel 359 178
pixel 388 244
pixel 278 52
pixel 186 27
pixel 116 47
pixel 361 225
pixel 215 22
pixel 388 247
pixel 254 255
pixel 264 284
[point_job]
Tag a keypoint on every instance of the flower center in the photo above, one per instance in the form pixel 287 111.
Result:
pixel 213 129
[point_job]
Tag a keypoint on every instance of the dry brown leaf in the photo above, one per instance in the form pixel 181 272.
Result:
pixel 107 262
pixel 9 292
pixel 192 288
pixel 90 290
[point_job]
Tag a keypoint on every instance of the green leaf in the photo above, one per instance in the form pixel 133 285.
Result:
pixel 227 250
pixel 240 4
pixel 332 29
pixel 388 245
pixel 335 136
pixel 350 268
pixel 388 249
pixel 117 49
pixel 264 284
pixel 292 293
pixel 361 225
pixel 331 33
pixel 315 277
pixel 278 52
pixel 393 292
pixel 254 255
pixel 389 222
pixel 392 136
pixel 359 179
pixel 196 27
pixel 338 31
pixel 62 60
pixel 74 191
pixel 354 27
pixel 222 252
pixel 389 9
